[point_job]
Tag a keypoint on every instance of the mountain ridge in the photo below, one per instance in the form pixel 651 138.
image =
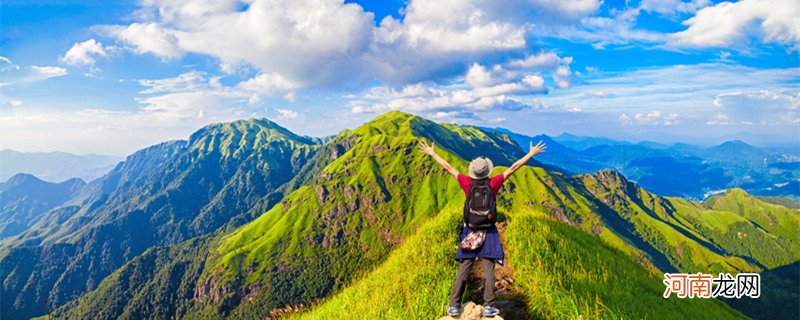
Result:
pixel 348 210
pixel 149 199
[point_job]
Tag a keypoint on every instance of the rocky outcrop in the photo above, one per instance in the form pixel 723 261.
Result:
pixel 471 311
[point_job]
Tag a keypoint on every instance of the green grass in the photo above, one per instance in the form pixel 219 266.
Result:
pixel 413 283
pixel 369 232
pixel 565 273
pixel 560 272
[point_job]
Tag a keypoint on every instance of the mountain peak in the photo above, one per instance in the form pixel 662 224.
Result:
pixel 393 122
pixel 27 179
pixel 22 178
pixel 394 116
pixel 231 137
pixel 243 125
pixel 734 145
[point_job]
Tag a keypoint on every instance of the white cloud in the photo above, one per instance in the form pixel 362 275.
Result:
pixel 451 26
pixel 724 25
pixel 303 41
pixel 269 83
pixel 757 107
pixel 477 76
pixel 84 53
pixel 597 94
pixel 534 82
pixel 501 87
pixel 287 114
pixel 189 81
pixel 335 44
pixel 673 7
pixel 6 65
pixel 46 72
pixel 731 25
pixel 562 76
pixel 496 120
pixel 649 118
pixel 14 74
pixel 148 38
pixel 8 104
pixel 543 60
pixel 618 30
pixel 697 93
pixel 170 108
pixel 195 94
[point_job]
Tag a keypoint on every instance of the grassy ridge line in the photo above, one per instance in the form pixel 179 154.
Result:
pixel 365 202
pixel 654 220
pixel 776 219
pixel 282 256
pixel 547 191
pixel 413 283
pixel 561 271
pixel 565 273
pixel 735 234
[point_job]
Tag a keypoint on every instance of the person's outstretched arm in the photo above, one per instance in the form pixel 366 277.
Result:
pixel 539 148
pixel 429 150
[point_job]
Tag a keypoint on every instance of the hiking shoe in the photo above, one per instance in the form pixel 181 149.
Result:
pixel 490 311
pixel 453 311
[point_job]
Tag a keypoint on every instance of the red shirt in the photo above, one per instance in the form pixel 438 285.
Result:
pixel 465 182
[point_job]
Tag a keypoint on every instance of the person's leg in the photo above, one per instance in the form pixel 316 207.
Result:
pixel 488 282
pixel 461 282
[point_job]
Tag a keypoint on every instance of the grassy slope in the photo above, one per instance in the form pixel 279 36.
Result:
pixel 559 271
pixel 568 274
pixel 161 195
pixel 693 236
pixel 355 213
pixel 738 224
pixel 342 223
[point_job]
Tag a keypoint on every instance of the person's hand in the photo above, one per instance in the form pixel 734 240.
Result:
pixel 428 149
pixel 538 148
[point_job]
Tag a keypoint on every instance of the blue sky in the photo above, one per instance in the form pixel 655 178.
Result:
pixel 113 77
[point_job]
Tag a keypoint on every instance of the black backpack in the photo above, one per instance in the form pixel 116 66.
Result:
pixel 480 210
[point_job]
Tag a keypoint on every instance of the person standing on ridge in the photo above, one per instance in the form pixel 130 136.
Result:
pixel 478 237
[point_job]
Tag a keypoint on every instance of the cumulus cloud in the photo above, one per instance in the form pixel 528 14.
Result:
pixel 303 41
pixel 334 44
pixel 84 53
pixel 484 89
pixel 542 60
pixel 724 25
pixel 147 38
pixel 269 83
pixel 732 25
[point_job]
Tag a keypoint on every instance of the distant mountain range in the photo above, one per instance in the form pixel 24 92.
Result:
pixel 246 218
pixel 676 170
pixel 25 198
pixel 55 166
